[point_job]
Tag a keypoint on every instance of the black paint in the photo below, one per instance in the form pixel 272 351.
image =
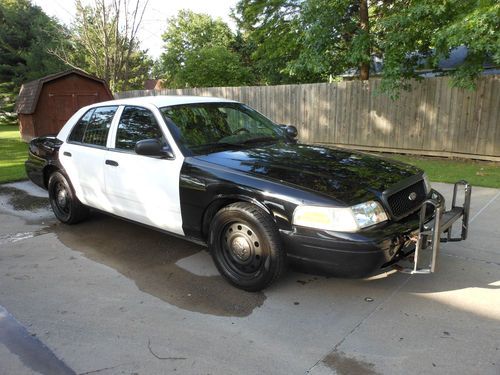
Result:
pixel 43 154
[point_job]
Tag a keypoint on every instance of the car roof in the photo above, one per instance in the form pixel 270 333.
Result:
pixel 164 101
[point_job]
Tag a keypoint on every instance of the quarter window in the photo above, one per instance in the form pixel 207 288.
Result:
pixel 135 125
pixel 79 129
pixel 98 128
pixel 93 127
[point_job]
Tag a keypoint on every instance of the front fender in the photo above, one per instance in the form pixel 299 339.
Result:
pixel 222 200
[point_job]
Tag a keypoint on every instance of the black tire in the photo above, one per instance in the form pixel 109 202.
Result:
pixel 246 246
pixel 66 206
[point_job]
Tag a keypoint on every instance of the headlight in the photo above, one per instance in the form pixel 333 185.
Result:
pixel 368 213
pixel 340 219
pixel 427 183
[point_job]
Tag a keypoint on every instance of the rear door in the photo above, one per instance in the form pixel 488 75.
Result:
pixel 143 188
pixel 83 155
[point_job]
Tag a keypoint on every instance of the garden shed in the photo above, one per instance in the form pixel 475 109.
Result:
pixel 44 105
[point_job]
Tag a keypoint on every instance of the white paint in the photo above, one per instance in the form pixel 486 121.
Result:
pixel 85 169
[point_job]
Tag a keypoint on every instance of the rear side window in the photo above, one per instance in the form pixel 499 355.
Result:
pixel 79 129
pixel 93 127
pixel 135 125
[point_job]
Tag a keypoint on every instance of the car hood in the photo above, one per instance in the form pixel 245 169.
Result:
pixel 347 176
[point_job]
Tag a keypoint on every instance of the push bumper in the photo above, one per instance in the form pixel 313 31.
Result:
pixel 430 233
pixel 361 254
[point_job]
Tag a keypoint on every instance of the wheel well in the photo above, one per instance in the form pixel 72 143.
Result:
pixel 47 171
pixel 220 203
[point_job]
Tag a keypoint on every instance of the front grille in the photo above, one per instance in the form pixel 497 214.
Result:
pixel 400 202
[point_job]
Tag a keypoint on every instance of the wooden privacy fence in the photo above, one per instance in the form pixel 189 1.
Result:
pixel 432 119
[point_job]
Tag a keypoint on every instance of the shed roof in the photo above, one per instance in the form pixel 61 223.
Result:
pixel 30 91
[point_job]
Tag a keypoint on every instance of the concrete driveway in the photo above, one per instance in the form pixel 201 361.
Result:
pixel 110 297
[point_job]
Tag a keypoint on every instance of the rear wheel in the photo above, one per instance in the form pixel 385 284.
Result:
pixel 246 246
pixel 66 206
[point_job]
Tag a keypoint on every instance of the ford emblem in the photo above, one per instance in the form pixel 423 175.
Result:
pixel 412 196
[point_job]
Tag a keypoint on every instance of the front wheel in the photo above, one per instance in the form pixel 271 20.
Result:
pixel 246 246
pixel 66 206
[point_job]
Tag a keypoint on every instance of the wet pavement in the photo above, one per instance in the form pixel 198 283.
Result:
pixel 32 353
pixel 110 297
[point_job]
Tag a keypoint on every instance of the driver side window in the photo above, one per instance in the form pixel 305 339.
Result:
pixel 135 125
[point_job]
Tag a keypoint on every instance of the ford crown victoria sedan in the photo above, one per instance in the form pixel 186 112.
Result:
pixel 219 173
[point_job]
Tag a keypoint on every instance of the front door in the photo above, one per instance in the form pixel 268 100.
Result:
pixel 143 188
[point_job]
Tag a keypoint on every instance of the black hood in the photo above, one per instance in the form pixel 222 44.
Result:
pixel 350 177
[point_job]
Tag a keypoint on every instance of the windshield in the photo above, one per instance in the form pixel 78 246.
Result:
pixel 207 127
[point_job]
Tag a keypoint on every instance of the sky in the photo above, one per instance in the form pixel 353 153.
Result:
pixel 154 21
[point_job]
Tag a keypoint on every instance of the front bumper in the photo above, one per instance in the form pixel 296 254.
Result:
pixel 359 254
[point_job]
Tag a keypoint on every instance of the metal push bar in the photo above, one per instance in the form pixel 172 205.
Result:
pixel 430 233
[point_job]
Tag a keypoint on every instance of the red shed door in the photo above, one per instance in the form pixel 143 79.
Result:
pixel 83 99
pixel 66 104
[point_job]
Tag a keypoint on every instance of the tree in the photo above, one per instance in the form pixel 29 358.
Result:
pixel 364 35
pixel 26 34
pixel 336 38
pixel 103 42
pixel 423 32
pixel 306 41
pixel 199 52
pixel 211 66
pixel 312 40
pixel 274 35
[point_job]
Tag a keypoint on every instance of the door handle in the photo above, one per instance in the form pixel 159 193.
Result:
pixel 112 163
pixel 66 153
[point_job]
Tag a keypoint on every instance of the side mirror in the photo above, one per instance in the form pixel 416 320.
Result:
pixel 152 147
pixel 290 131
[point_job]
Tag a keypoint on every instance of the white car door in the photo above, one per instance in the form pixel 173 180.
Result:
pixel 83 153
pixel 143 188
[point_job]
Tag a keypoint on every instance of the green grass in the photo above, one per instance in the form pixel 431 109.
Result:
pixel 477 173
pixel 13 154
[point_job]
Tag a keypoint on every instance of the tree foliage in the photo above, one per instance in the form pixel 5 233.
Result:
pixel 26 33
pixel 313 40
pixel 303 40
pixel 212 66
pixel 273 30
pixel 333 42
pixel 103 41
pixel 200 51
pixel 423 32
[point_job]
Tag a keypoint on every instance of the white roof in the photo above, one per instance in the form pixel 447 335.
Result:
pixel 164 101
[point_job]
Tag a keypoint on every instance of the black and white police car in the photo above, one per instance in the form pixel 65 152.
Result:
pixel 217 172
